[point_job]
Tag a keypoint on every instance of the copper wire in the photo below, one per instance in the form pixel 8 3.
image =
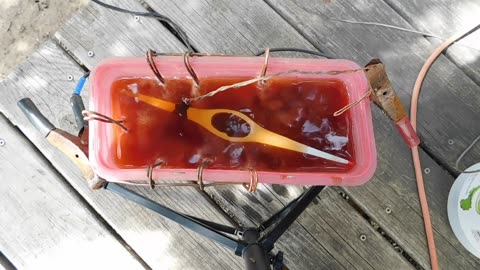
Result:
pixel 150 168
pixel 351 105
pixel 91 115
pixel 136 183
pixel 265 65
pixel 151 62
pixel 190 70
pixel 195 54
pixel 200 173
pixel 252 186
pixel 278 74
pixel 415 152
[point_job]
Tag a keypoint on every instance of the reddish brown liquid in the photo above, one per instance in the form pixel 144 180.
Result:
pixel 300 110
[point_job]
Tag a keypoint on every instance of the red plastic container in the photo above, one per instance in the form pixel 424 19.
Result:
pixel 111 70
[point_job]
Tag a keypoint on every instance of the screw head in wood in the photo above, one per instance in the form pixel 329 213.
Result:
pixel 451 141
pixel 2 142
pixel 70 77
pixel 363 237
pixel 137 18
pixel 90 54
pixel 426 170
pixel 388 210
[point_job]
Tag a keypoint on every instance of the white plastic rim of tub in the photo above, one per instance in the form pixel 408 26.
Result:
pixel 464 209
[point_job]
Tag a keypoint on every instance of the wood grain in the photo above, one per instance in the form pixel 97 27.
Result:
pixel 329 224
pixel 162 244
pixel 394 187
pixel 108 33
pixel 298 234
pixel 44 223
pixel 393 48
pixel 209 20
pixel 441 90
pixel 75 44
pixel 217 27
pixel 445 18
pixel 243 27
pixel 448 94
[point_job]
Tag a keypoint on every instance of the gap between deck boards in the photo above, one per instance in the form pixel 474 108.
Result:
pixel 166 25
pixel 211 200
pixel 406 18
pixel 378 228
pixel 437 160
pixel 82 200
pixel 422 146
pixel 210 197
pixel 306 37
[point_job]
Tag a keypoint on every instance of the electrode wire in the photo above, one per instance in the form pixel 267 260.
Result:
pixel 415 152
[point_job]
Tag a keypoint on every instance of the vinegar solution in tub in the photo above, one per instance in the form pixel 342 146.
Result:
pixel 301 110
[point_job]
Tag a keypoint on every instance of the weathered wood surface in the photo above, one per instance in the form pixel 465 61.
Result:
pixel 241 27
pixel 394 187
pixel 246 27
pixel 393 48
pixel 74 44
pixel 447 86
pixel 108 33
pixel 330 223
pixel 44 223
pixel 448 94
pixel 445 18
pixel 162 244
pixel 209 21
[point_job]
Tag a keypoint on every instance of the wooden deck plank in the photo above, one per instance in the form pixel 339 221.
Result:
pixel 231 28
pixel 329 223
pixel 162 244
pixel 44 224
pixel 74 44
pixel 130 37
pixel 448 93
pixel 394 187
pixel 445 18
pixel 393 155
pixel 108 33
pixel 210 17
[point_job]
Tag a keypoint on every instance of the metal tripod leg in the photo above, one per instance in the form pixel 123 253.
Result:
pixel 289 217
pixel 253 247
pixel 193 224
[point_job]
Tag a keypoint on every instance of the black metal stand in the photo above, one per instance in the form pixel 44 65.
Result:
pixel 253 244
